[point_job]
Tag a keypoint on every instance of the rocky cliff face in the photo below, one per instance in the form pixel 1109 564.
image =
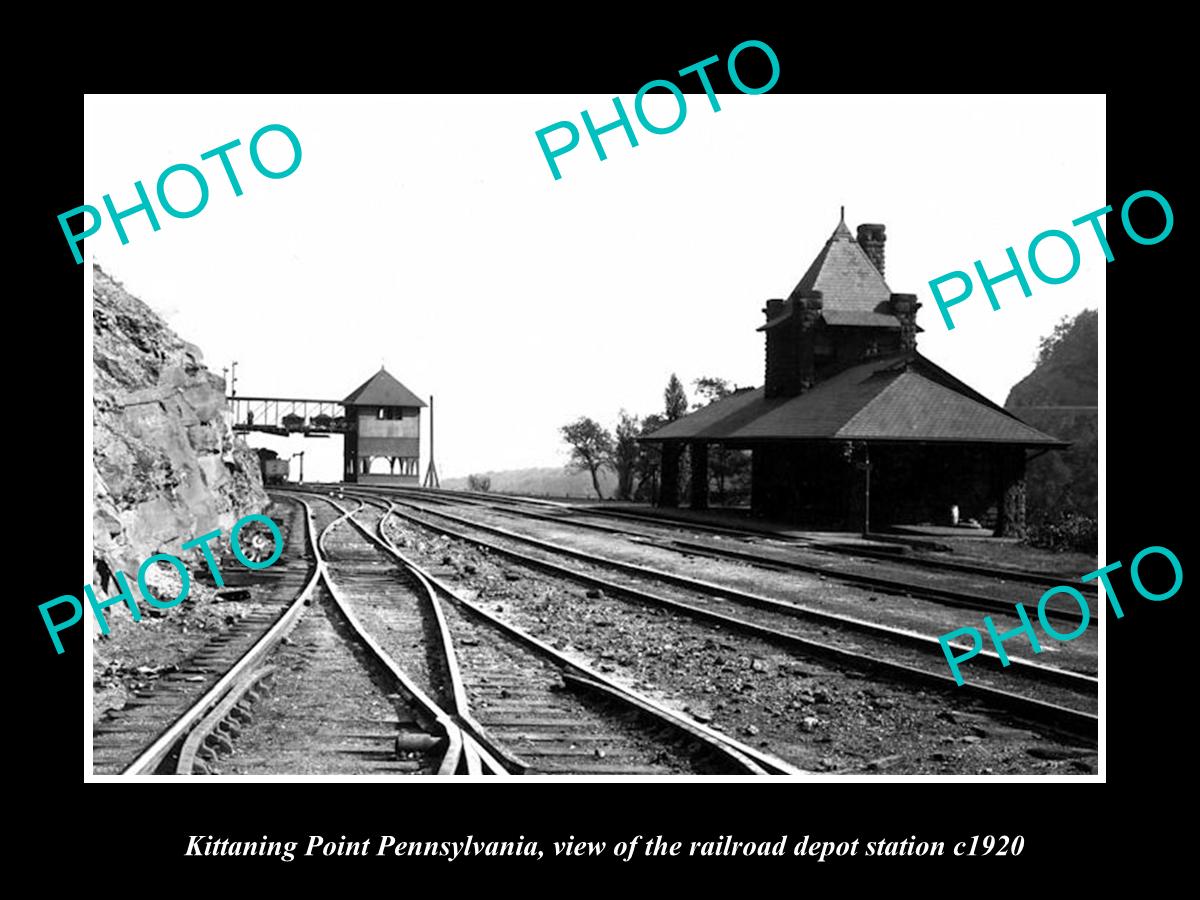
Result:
pixel 1059 397
pixel 166 465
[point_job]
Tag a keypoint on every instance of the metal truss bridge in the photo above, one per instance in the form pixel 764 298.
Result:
pixel 283 415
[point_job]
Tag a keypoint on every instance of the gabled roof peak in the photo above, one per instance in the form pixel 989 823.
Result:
pixel 842 233
pixel 845 276
pixel 381 389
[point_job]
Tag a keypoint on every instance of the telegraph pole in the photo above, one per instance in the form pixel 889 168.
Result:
pixel 230 403
pixel 431 475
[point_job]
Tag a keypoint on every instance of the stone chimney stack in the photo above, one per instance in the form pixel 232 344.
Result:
pixel 904 308
pixel 872 238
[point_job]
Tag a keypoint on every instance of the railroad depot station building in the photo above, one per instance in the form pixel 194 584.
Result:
pixel 852 419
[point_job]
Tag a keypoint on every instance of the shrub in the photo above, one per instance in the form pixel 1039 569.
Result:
pixel 1064 531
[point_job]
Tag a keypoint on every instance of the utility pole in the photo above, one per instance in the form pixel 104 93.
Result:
pixel 431 475
pixel 230 404
pixel 233 381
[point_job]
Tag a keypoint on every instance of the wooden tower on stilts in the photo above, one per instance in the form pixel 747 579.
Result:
pixel 383 423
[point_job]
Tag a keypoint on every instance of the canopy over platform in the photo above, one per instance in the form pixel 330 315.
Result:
pixel 903 398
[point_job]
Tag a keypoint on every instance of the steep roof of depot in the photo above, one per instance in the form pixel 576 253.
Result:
pixel 901 398
pixel 381 389
pixel 845 276
pixel 853 291
pixel 859 318
pixel 717 420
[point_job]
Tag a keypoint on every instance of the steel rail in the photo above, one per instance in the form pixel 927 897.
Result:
pixel 925 562
pixel 1050 674
pixel 203 710
pixel 748 757
pixel 943 596
pixel 454 753
pixel 753 761
pixel 480 748
pixel 1074 721
pixel 152 756
pixel 511 502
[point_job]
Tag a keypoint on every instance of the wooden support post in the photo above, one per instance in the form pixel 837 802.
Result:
pixel 699 475
pixel 668 494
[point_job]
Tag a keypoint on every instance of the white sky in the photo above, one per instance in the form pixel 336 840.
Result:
pixel 426 233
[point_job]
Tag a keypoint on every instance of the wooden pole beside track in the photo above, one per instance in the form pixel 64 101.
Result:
pixel 431 475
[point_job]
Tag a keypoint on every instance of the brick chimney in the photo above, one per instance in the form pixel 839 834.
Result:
pixel 872 238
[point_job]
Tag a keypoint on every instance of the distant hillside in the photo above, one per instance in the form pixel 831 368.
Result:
pixel 1050 399
pixel 549 482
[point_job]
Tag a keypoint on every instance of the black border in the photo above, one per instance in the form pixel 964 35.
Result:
pixel 1146 325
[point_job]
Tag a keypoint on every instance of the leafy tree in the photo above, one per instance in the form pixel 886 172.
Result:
pixel 731 468
pixel 591 448
pixel 675 401
pixel 675 406
pixel 711 390
pixel 649 461
pixel 1047 345
pixel 479 482
pixel 1060 397
pixel 727 467
pixel 625 455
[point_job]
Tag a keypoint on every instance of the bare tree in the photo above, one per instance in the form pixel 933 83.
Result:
pixel 591 448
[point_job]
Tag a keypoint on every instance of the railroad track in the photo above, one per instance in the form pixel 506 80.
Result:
pixel 646 517
pixel 885 553
pixel 900 636
pixel 855 569
pixel 521 701
pixel 120 735
pixel 770 546
pixel 1054 697
pixel 368 671
pixel 389 728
